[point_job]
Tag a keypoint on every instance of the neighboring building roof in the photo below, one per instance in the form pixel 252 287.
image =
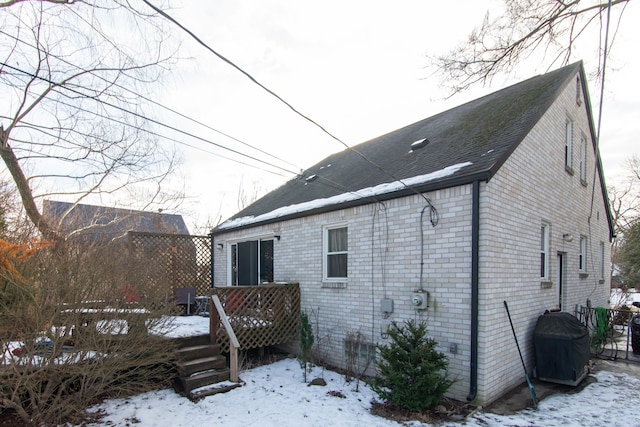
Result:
pixel 464 144
pixel 105 223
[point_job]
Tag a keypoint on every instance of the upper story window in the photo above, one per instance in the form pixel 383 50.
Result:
pixel 568 145
pixel 583 160
pixel 544 251
pixel 602 261
pixel 578 91
pixel 582 261
pixel 336 252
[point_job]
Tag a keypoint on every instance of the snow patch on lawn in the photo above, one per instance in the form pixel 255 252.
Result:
pixel 275 395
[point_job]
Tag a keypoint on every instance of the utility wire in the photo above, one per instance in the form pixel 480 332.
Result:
pixel 322 180
pixel 133 113
pixel 42 130
pixel 141 96
pixel 279 98
pixel 597 148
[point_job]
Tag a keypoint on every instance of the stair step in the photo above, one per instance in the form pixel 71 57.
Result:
pixel 193 340
pixel 198 394
pixel 189 367
pixel 203 379
pixel 198 351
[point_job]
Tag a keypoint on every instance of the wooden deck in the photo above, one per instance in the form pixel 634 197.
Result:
pixel 259 315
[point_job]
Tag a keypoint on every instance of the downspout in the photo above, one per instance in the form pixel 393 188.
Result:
pixel 475 252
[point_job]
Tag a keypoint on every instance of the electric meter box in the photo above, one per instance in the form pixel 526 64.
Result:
pixel 420 300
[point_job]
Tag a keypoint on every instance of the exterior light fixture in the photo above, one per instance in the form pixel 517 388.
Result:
pixel 277 237
pixel 567 237
pixel 219 246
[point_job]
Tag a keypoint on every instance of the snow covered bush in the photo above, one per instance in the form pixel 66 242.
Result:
pixel 411 374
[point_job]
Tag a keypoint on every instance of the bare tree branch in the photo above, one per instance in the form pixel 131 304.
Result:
pixel 526 26
pixel 13 2
pixel 73 121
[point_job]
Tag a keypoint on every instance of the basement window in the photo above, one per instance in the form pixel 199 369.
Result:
pixel 359 354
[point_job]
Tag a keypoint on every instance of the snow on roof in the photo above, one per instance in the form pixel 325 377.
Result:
pixel 344 197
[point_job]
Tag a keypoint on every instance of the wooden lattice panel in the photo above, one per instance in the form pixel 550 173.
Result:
pixel 172 261
pixel 259 315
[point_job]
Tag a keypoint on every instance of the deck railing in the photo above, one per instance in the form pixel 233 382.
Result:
pixel 234 345
pixel 259 315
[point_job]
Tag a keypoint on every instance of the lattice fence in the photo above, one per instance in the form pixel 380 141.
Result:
pixel 172 261
pixel 259 315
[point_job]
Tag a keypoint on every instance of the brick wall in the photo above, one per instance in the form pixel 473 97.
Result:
pixel 531 187
pixel 384 262
pixel 384 258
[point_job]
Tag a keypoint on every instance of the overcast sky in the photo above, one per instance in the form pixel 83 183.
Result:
pixel 358 68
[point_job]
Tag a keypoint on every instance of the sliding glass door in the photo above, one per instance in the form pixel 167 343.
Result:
pixel 252 262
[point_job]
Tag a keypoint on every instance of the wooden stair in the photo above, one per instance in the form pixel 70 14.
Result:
pixel 199 365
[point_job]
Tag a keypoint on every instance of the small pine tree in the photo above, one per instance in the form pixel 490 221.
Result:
pixel 306 343
pixel 411 373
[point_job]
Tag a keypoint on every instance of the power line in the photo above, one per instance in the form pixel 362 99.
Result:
pixel 322 180
pixel 139 95
pixel 42 130
pixel 133 113
pixel 279 98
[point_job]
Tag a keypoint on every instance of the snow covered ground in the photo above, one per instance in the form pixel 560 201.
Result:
pixel 275 395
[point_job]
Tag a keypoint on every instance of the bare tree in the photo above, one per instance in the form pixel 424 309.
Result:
pixel 525 26
pixel 248 194
pixel 73 123
pixel 625 204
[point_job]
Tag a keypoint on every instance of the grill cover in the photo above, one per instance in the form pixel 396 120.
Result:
pixel 561 347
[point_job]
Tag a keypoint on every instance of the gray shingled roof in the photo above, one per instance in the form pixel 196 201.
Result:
pixel 105 223
pixel 483 132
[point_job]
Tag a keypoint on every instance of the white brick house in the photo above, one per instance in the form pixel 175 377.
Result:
pixel 504 200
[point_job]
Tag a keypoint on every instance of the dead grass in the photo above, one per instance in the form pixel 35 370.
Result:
pixel 447 410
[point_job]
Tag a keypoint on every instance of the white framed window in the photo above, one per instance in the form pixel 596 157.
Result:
pixel 544 250
pixel 582 259
pixel 602 261
pixel 578 91
pixel 583 160
pixel 568 145
pixel 336 252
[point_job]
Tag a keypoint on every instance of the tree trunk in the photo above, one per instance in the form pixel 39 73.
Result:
pixel 22 184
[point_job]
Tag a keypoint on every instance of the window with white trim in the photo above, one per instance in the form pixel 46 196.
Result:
pixel 336 252
pixel 583 160
pixel 602 261
pixel 582 262
pixel 578 91
pixel 544 251
pixel 568 145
